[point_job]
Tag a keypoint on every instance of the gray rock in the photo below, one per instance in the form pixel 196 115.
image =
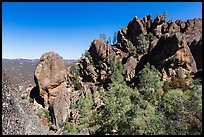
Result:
pixel 17 117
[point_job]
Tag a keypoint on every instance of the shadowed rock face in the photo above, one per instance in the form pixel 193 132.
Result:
pixel 17 117
pixel 172 52
pixel 50 76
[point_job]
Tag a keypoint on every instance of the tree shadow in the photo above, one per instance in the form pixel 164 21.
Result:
pixel 35 94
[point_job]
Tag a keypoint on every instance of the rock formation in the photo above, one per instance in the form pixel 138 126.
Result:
pixel 170 53
pixel 99 50
pixel 50 78
pixel 17 116
pixel 173 45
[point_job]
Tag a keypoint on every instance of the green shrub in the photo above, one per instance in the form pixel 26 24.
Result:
pixel 86 121
pixel 31 100
pixel 39 113
pixel 75 68
pixel 47 114
pixel 86 54
pixel 149 82
pixel 23 97
pixel 117 103
pixel 143 43
pixel 146 120
pixel 78 86
pixel 150 36
pixel 165 14
pixel 180 72
pixel 131 47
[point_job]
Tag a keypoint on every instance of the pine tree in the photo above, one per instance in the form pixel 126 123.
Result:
pixel 115 38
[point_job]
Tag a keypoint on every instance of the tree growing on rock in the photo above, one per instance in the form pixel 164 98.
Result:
pixel 165 14
pixel 103 37
pixel 115 38
pixel 143 43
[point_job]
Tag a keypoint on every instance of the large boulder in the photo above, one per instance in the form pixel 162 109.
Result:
pixel 129 67
pixel 17 116
pixel 50 76
pixel 99 50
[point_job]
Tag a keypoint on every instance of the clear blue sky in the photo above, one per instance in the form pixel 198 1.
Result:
pixel 32 28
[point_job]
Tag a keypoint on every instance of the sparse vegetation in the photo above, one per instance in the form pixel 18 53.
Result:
pixel 86 53
pixel 74 68
pixel 39 113
pixel 31 100
pixel 143 43
pixel 109 40
pixel 78 86
pixel 165 14
pixel 23 97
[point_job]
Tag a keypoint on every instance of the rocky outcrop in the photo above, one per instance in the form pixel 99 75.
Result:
pixel 99 50
pixel 132 31
pixel 156 27
pixel 130 66
pixel 96 67
pixel 170 53
pixel 194 39
pixel 17 116
pixel 50 76
pixel 196 50
pixel 173 45
pixel 61 107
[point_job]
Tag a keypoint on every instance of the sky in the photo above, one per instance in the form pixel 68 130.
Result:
pixel 30 29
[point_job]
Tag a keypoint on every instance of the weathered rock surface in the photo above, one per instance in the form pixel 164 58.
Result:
pixel 170 53
pixel 17 117
pixel 61 107
pixel 196 50
pixel 50 76
pixel 99 50
pixel 173 44
pixel 130 66
pixel 132 31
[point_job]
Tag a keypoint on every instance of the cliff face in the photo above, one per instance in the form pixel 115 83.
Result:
pixel 17 116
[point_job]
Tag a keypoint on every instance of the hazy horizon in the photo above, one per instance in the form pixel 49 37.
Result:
pixel 30 29
pixel 35 58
